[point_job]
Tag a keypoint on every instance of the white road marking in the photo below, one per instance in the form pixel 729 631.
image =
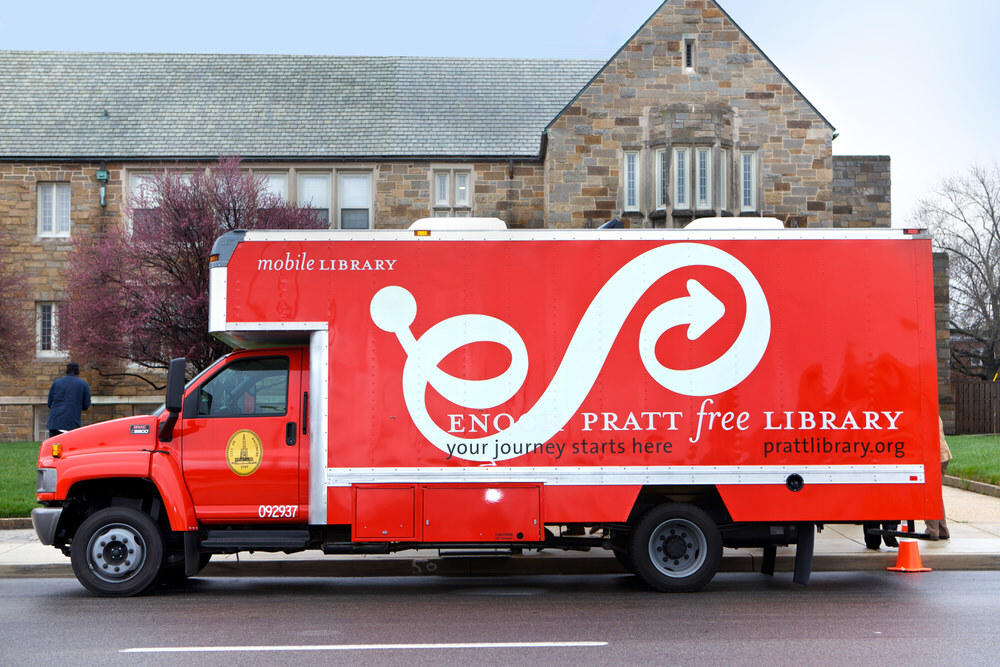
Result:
pixel 361 647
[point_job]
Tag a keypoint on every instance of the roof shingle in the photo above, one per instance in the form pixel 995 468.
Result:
pixel 129 105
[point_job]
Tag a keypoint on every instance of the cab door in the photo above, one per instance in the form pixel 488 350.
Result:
pixel 241 436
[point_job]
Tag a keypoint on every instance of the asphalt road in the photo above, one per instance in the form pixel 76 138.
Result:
pixel 857 618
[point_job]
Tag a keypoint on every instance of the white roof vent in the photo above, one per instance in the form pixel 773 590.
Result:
pixel 735 223
pixel 459 224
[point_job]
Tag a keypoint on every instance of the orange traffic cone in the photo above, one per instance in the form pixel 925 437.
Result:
pixel 908 558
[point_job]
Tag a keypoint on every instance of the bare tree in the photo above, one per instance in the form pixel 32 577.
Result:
pixel 964 218
pixel 139 293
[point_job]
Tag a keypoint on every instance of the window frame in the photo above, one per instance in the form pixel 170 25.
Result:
pixel 680 181
pixel 51 192
pixel 748 181
pixel 723 179
pixel 702 178
pixel 453 203
pixel 341 174
pixel 689 58
pixel 300 177
pixel 662 168
pixel 52 337
pixel 272 176
pixel 632 181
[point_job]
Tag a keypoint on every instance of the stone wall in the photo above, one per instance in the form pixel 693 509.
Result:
pixel 40 262
pixel 862 190
pixel 942 314
pixel 732 99
pixel 511 191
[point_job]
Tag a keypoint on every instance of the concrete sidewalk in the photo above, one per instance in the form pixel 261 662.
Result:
pixel 974 520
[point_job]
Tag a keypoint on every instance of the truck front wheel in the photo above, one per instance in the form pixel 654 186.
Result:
pixel 676 547
pixel 117 552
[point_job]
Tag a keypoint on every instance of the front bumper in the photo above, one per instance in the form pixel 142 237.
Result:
pixel 45 521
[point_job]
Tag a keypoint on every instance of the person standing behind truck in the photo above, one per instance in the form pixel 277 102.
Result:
pixel 937 529
pixel 69 396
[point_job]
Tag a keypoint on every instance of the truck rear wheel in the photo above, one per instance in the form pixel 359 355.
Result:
pixel 117 552
pixel 676 547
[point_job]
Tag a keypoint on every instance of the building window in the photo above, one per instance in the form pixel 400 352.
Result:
pixel 662 182
pixel 47 329
pixel 275 183
pixel 141 190
pixel 314 192
pixel 442 189
pixel 681 189
pixel 748 181
pixel 142 201
pixel 724 179
pixel 689 52
pixel 703 176
pixel 354 197
pixel 461 188
pixel 451 196
pixel 53 209
pixel 631 180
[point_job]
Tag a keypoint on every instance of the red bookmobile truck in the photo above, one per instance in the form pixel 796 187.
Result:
pixel 660 393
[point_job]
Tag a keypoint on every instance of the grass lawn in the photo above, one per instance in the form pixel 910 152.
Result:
pixel 975 457
pixel 18 461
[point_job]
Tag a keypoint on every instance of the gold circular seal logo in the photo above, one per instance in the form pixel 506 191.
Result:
pixel 244 452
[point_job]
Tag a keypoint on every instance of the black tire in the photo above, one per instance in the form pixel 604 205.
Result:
pixel 620 548
pixel 117 552
pixel 624 559
pixel 676 548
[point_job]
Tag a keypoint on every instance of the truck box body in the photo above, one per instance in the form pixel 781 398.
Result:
pixel 485 388
pixel 533 358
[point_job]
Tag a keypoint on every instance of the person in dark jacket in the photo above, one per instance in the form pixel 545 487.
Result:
pixel 69 396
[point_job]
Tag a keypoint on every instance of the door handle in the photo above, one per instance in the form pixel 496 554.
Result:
pixel 305 411
pixel 290 433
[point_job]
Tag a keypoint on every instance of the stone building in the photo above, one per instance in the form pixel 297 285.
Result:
pixel 689 118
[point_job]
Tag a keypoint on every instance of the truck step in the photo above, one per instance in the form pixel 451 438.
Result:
pixel 259 540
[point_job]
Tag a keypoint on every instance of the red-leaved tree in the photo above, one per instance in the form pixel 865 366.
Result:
pixel 17 339
pixel 138 293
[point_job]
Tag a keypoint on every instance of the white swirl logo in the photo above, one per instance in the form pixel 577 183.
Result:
pixel 393 309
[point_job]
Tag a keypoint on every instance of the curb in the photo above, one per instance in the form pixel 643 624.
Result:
pixel 969 485
pixel 15 523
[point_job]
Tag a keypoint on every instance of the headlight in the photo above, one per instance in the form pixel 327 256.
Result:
pixel 46 480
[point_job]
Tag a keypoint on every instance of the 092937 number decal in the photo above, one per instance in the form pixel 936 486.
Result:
pixel 278 511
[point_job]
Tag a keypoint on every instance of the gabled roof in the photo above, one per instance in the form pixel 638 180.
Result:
pixel 164 106
pixel 628 41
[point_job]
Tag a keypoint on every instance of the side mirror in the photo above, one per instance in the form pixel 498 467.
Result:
pixel 174 400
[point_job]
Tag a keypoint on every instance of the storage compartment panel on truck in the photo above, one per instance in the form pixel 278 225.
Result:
pixel 676 391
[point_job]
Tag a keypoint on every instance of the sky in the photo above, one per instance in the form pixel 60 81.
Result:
pixel 913 79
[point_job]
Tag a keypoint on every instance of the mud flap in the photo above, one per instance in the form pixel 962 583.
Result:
pixel 191 555
pixel 770 556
